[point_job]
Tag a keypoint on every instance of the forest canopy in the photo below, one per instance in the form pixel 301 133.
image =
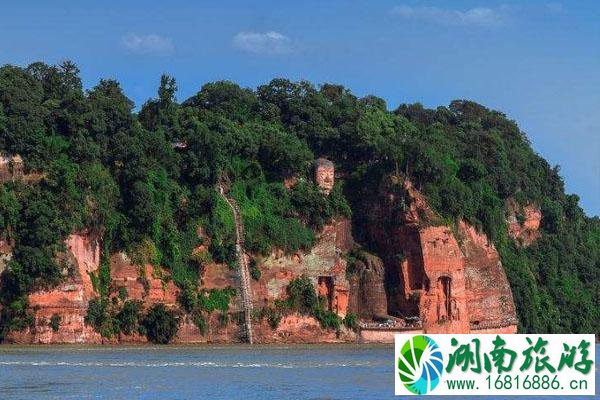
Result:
pixel 145 180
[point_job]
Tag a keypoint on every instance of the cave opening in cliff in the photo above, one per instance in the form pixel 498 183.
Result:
pixel 445 285
pixel 325 289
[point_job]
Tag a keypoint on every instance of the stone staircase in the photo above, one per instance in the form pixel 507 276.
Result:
pixel 246 296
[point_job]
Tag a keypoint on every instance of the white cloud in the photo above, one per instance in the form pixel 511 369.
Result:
pixel 263 42
pixel 478 16
pixel 147 44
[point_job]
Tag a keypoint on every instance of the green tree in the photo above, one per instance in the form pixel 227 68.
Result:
pixel 161 324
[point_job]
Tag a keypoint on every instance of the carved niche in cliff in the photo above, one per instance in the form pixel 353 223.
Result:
pixel 336 296
pixel 446 305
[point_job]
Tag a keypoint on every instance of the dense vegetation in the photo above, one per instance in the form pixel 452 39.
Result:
pixel 303 299
pixel 145 182
pixel 161 325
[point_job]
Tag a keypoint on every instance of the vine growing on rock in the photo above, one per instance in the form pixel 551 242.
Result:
pixel 302 298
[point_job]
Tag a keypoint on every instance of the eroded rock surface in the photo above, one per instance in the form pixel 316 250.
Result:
pixel 68 301
pixel 142 282
pixel 11 167
pixel 490 303
pixel 367 284
pixel 524 223
pixel 452 282
pixel 324 263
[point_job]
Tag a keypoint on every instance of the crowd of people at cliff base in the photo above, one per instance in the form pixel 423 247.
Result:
pixel 393 323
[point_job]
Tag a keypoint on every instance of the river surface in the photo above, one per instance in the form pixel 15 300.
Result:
pixel 204 372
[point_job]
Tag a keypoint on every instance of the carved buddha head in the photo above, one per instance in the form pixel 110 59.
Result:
pixel 324 174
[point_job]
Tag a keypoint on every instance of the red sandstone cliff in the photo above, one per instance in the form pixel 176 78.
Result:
pixel 490 304
pixel 141 282
pixel 440 279
pixel 523 222
pixel 323 264
pixel 69 300
pixel 367 289
pixel 452 281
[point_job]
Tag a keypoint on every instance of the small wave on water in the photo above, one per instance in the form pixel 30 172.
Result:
pixel 182 364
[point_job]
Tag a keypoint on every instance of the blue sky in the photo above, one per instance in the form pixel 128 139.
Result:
pixel 537 61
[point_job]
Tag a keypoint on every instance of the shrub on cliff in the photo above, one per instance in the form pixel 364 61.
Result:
pixel 161 324
pixel 200 321
pixel 312 206
pixel 273 317
pixel 55 322
pixel 273 313
pixel 351 321
pixel 188 298
pixel 99 316
pixel 302 296
pixel 255 272
pixel 128 318
pixel 328 319
pixel 109 318
pixel 216 299
pixel 122 294
pixel 221 228
pixel 267 211
pixel 14 315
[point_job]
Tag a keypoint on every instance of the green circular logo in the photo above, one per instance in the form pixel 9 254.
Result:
pixel 420 364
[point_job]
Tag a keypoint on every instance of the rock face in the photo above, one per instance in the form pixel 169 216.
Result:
pixel 453 282
pixel 68 301
pixel 300 329
pixel 5 254
pixel 142 283
pixel 11 167
pixel 443 300
pixel 324 174
pixel 524 223
pixel 490 304
pixel 367 288
pixel 324 265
